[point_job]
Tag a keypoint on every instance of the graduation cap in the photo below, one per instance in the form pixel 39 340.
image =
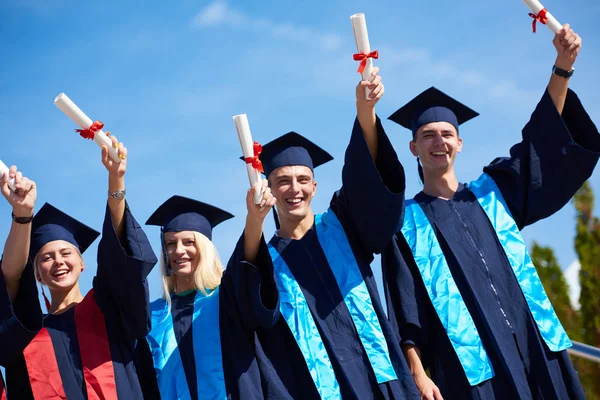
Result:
pixel 50 224
pixel 184 214
pixel 432 105
pixel 292 149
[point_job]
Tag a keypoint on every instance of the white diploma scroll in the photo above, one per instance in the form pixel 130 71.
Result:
pixel 361 36
pixel 245 136
pixel 4 170
pixel 535 6
pixel 64 103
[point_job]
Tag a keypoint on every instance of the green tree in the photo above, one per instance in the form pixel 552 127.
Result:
pixel 587 246
pixel 557 288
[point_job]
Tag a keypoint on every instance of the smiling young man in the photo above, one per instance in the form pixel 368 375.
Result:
pixel 321 331
pixel 460 285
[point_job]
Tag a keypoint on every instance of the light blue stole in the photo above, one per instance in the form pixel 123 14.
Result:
pixel 447 300
pixel 170 374
pixel 297 314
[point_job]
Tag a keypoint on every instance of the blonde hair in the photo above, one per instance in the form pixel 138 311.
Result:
pixel 207 274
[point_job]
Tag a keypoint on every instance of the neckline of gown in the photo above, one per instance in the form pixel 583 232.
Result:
pixel 423 197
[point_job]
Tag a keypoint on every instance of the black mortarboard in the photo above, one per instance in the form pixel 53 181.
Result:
pixel 183 214
pixel 432 105
pixel 50 224
pixel 292 149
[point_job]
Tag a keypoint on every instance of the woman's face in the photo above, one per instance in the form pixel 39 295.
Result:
pixel 59 265
pixel 182 252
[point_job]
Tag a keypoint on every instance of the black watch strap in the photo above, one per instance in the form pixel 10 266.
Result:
pixel 562 72
pixel 21 220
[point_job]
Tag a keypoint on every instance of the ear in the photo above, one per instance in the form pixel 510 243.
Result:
pixel 413 148
pixel 314 188
pixel 460 145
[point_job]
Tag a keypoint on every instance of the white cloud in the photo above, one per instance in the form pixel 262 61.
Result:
pixel 438 69
pixel 427 66
pixel 220 13
pixel 572 276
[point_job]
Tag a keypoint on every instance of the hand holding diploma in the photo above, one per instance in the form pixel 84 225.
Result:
pixel 23 198
pixel 89 129
pixel 541 14
pixel 364 55
pixel 253 231
pixel 251 151
pixel 4 170
pixel 116 170
pixel 567 44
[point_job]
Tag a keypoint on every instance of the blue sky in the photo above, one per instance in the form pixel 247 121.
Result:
pixel 167 76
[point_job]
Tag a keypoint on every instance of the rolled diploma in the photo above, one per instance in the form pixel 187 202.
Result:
pixel 361 36
pixel 64 103
pixel 245 136
pixel 535 6
pixel 3 170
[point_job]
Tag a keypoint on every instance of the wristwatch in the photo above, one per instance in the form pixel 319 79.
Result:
pixel 118 194
pixel 562 72
pixel 21 220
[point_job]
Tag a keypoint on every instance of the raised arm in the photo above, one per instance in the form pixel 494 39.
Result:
pixel 559 150
pixel 20 311
pixel 125 258
pixel 371 202
pixel 248 279
pixel 567 44
pixel 16 249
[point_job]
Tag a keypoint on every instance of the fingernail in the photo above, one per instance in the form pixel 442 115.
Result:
pixel 107 133
pixel 121 156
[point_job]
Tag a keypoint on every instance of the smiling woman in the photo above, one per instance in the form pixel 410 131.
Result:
pixel 85 347
pixel 184 345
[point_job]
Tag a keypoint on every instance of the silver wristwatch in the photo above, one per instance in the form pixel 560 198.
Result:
pixel 118 194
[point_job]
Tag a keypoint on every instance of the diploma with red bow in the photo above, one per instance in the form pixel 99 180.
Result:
pixel 251 152
pixel 89 129
pixel 541 15
pixel 4 170
pixel 364 55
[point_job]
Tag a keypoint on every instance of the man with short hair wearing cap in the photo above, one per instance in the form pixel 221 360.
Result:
pixel 17 328
pixel 461 287
pixel 85 349
pixel 309 295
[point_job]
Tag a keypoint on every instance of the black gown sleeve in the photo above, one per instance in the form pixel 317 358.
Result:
pixel 371 200
pixel 556 156
pixel 120 285
pixel 406 297
pixel 21 321
pixel 253 287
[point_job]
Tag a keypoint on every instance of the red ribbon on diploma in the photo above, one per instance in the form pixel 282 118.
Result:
pixel 254 160
pixel 362 57
pixel 91 131
pixel 541 16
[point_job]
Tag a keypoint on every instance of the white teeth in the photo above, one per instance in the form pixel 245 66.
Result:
pixel 294 201
pixel 61 273
pixel 438 153
pixel 181 261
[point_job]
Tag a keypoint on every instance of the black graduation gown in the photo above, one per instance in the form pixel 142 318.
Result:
pixel 240 367
pixel 542 173
pixel 121 293
pixel 18 328
pixel 15 333
pixel 369 207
